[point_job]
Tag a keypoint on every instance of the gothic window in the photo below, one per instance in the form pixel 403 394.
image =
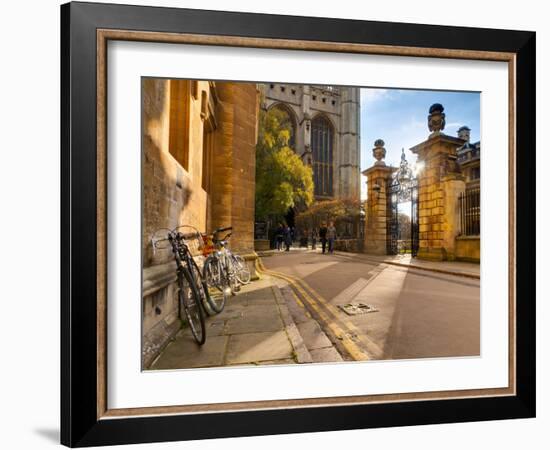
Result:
pixel 322 143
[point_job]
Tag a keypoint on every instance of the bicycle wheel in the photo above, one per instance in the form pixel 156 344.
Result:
pixel 242 271
pixel 229 269
pixel 215 278
pixel 202 289
pixel 190 300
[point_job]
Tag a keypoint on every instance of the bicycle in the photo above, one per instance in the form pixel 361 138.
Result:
pixel 215 273
pixel 193 292
pixel 223 268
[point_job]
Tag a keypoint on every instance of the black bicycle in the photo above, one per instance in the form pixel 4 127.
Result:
pixel 193 293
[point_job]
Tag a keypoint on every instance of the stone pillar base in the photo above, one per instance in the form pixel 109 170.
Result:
pixel 435 254
pixel 375 248
pixel 261 244
pixel 250 259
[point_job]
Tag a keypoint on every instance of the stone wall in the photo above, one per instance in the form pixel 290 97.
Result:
pixel 172 195
pixel 349 245
pixel 468 248
pixel 175 116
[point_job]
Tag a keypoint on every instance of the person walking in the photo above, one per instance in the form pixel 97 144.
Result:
pixel 313 239
pixel 279 236
pixel 323 236
pixel 288 238
pixel 331 237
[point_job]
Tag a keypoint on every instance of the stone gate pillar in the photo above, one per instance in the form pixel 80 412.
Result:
pixel 440 181
pixel 376 205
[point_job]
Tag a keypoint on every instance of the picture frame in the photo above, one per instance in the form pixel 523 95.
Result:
pixel 86 419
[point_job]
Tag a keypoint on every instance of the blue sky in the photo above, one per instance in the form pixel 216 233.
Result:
pixel 399 117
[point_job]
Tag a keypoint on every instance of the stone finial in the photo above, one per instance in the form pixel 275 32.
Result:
pixel 436 119
pixel 379 152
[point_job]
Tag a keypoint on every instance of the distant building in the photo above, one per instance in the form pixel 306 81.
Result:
pixel 469 158
pixel 325 133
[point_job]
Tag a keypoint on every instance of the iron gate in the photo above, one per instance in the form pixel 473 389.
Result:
pixel 402 188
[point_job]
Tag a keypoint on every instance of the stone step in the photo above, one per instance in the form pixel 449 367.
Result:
pixel 316 343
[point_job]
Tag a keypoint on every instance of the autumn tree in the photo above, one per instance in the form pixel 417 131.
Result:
pixel 283 181
pixel 344 212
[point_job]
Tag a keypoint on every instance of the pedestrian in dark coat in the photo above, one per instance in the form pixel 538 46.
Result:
pixel 288 238
pixel 279 236
pixel 323 236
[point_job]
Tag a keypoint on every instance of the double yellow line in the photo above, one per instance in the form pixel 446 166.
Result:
pixel 344 333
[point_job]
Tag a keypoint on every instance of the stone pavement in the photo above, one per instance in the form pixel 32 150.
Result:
pixel 255 328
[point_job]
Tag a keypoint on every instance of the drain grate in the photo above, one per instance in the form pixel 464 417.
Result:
pixel 353 309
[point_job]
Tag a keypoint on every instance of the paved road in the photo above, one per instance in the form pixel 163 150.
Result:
pixel 420 313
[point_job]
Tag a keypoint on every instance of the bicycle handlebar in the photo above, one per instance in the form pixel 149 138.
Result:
pixel 173 234
pixel 188 236
pixel 216 240
pixel 220 230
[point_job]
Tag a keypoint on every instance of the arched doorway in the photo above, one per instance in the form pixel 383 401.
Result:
pixel 322 145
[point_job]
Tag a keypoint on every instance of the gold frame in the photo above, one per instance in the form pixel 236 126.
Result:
pixel 104 35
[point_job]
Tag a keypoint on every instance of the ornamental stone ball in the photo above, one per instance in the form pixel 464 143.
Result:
pixel 436 119
pixel 379 152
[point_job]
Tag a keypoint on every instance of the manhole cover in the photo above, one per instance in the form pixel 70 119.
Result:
pixel 353 309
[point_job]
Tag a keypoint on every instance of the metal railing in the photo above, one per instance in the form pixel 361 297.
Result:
pixel 469 208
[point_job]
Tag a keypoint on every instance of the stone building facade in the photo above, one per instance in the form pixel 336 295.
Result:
pixel 325 133
pixel 198 168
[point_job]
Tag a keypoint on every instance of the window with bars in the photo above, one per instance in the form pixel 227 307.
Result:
pixel 469 208
pixel 322 137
